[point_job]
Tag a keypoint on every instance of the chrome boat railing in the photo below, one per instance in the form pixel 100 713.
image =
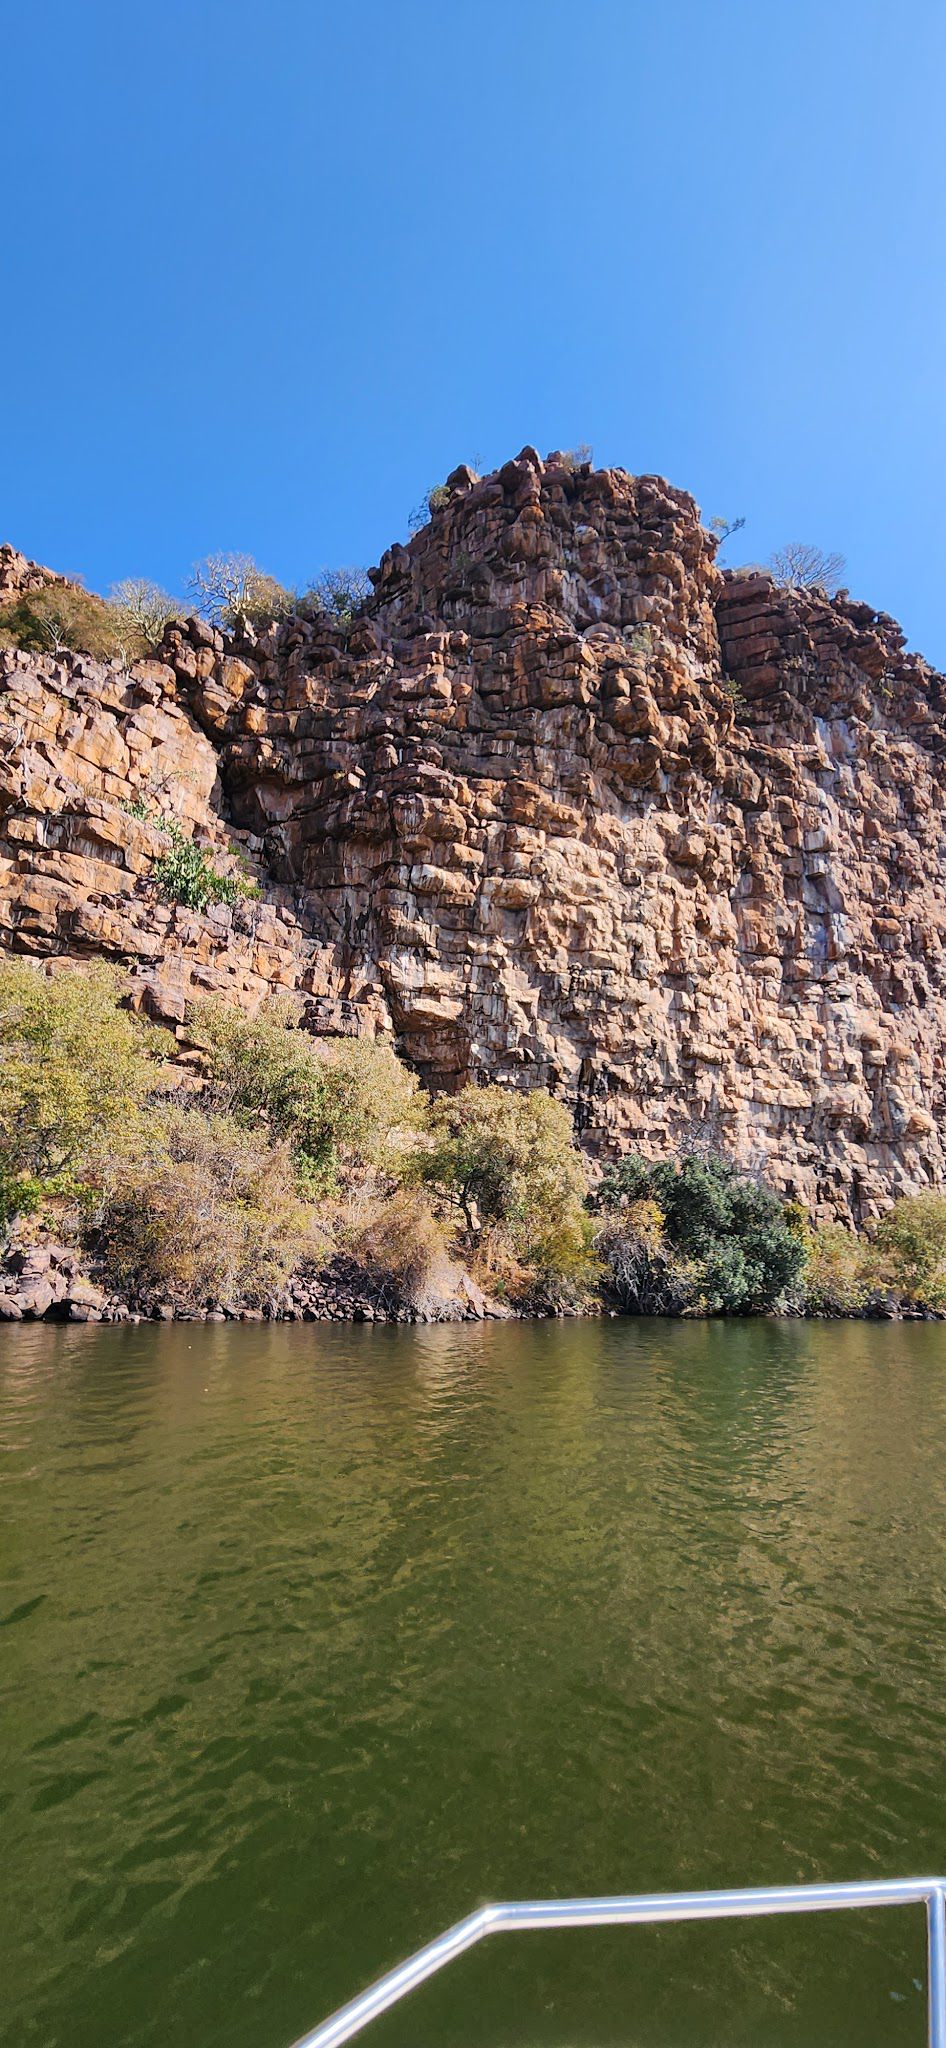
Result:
pixel 517 1917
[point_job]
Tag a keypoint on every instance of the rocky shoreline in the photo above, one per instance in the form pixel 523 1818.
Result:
pixel 54 1284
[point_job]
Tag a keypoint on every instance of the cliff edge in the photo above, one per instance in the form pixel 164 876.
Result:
pixel 566 805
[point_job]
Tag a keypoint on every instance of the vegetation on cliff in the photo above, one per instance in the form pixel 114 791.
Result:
pixel 184 871
pixel 212 1174
pixel 59 616
pixel 215 1181
pixel 562 797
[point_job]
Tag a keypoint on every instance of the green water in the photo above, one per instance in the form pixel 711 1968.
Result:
pixel 313 1639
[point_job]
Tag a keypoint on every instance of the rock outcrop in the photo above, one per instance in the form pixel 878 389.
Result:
pixel 20 577
pixel 567 805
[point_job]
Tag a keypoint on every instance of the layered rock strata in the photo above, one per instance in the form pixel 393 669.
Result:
pixel 566 806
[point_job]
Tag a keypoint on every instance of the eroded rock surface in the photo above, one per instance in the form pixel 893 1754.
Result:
pixel 567 806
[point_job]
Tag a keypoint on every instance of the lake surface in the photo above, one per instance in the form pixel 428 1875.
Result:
pixel 315 1638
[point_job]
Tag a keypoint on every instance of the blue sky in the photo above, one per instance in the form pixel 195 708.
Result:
pixel 271 271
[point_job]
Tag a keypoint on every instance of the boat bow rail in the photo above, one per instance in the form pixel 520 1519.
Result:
pixel 646 1910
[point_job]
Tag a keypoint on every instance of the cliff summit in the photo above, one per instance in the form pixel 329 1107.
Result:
pixel 563 805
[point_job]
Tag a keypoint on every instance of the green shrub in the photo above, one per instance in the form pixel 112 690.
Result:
pixel 64 618
pixel 909 1250
pixel 186 874
pixel 343 1107
pixel 742 1244
pixel 197 1210
pixel 74 1067
pixel 839 1272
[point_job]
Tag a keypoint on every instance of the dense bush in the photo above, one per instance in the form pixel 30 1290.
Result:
pixel 403 1247
pixel 840 1274
pixel 742 1245
pixel 195 1211
pixel 62 617
pixel 74 1068
pixel 562 1261
pixel 909 1250
pixel 648 1278
pixel 507 1161
pixel 348 1106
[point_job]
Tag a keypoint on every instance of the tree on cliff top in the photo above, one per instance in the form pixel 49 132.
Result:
pixel 231 590
pixel 63 618
pixel 339 592
pixel 800 566
pixel 144 608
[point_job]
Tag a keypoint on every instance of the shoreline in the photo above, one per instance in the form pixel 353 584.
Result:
pixel 54 1284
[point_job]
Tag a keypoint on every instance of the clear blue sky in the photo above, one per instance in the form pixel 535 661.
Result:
pixel 270 270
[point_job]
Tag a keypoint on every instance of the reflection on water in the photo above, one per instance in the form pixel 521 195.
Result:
pixel 310 1639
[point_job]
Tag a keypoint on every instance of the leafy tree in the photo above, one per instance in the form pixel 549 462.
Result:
pixel 75 1068
pixel 344 1107
pixel 507 1162
pixel 800 566
pixel 63 618
pixel 743 1243
pixel 503 1156
pixel 909 1248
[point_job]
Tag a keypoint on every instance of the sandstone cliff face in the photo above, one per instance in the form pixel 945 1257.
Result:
pixel 568 806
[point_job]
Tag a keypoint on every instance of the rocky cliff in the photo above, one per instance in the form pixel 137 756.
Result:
pixel 567 805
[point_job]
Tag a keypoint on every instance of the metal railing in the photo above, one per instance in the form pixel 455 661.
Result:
pixel 646 1910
